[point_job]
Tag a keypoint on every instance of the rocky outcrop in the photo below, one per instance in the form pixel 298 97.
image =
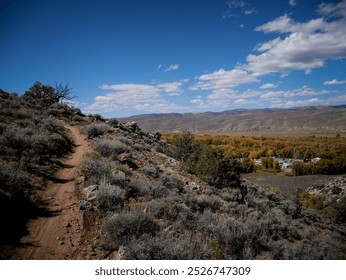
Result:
pixel 334 191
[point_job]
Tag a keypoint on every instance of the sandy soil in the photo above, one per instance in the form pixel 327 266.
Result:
pixel 61 234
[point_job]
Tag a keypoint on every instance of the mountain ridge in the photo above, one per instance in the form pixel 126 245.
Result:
pixel 310 118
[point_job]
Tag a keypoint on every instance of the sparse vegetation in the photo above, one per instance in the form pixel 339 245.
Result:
pixel 96 129
pixel 201 209
pixel 154 206
pixel 32 142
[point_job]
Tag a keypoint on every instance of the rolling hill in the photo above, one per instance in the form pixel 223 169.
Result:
pixel 312 119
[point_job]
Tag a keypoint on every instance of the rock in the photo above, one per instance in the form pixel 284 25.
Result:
pixel 84 205
pixel 91 192
pixel 121 253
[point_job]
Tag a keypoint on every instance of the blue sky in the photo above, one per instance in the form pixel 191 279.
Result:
pixel 126 58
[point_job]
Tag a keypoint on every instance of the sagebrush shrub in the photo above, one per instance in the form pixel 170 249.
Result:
pixel 107 147
pixel 138 187
pixel 96 129
pixel 53 125
pixel 173 182
pixel 110 198
pixel 97 169
pixel 150 170
pixel 129 225
pixel 160 247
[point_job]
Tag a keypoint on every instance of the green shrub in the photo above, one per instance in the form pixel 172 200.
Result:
pixel 214 167
pixel 336 212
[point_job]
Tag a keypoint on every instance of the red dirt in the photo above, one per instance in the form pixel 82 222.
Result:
pixel 60 235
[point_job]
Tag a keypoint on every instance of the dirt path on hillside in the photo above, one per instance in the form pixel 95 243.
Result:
pixel 58 235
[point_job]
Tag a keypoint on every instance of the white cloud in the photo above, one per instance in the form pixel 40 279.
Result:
pixel 172 88
pixel 334 82
pixel 250 12
pixel 159 66
pixel 127 99
pixel 332 9
pixel 234 4
pixel 198 100
pixel 299 103
pixel 300 46
pixel 242 26
pixel 307 46
pixel 223 79
pixel 172 67
pixel 303 91
pixel 285 24
pixel 268 86
pixel 292 3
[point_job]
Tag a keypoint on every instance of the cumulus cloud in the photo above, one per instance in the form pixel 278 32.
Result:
pixel 334 82
pixel 299 46
pixel 223 80
pixel 268 86
pixel 305 46
pixel 172 88
pixel 332 9
pixel 126 99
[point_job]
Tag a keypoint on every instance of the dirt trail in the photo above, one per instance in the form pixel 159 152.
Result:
pixel 59 234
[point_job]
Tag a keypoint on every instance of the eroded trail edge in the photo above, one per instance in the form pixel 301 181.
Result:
pixel 58 235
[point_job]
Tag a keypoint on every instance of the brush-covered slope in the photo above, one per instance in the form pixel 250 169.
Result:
pixel 152 208
pixel 293 119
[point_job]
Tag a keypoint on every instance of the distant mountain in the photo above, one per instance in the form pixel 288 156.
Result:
pixel 312 118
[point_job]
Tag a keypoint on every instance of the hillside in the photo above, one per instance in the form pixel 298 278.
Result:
pixel 103 189
pixel 312 119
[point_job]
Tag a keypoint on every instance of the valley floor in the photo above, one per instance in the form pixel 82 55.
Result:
pixel 287 185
